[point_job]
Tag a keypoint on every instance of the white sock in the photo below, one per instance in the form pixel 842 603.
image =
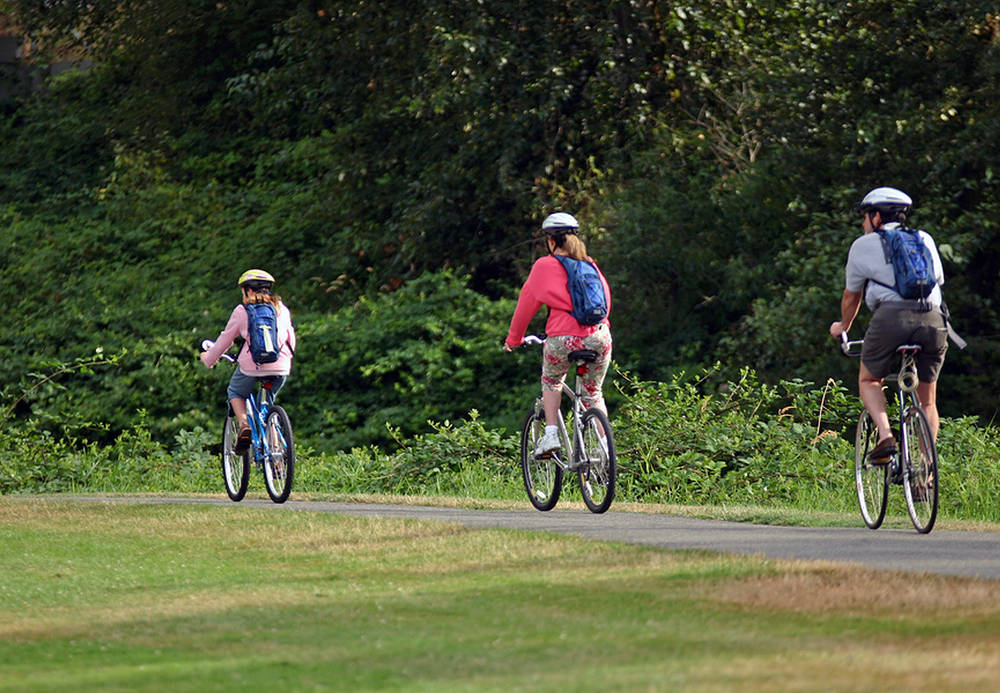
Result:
pixel 554 430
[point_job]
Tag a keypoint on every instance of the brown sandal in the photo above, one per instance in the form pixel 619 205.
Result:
pixel 885 449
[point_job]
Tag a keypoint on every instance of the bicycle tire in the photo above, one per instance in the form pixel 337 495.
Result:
pixel 599 472
pixel 235 467
pixel 871 480
pixel 542 477
pixel 279 455
pixel 920 470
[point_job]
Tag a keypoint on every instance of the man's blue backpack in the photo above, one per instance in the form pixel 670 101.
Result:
pixel 911 260
pixel 262 326
pixel 586 291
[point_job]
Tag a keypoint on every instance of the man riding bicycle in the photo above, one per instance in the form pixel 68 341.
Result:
pixel 895 320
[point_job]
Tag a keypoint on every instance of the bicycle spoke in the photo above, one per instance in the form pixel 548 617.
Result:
pixel 235 467
pixel 542 477
pixel 871 480
pixel 599 468
pixel 279 455
pixel 920 479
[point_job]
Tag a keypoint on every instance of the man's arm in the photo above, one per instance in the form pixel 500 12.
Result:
pixel 850 303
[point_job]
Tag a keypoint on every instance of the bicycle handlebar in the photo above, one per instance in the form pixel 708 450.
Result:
pixel 534 339
pixel 849 348
pixel 207 344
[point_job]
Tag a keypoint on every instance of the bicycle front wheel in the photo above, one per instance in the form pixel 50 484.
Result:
pixel 235 467
pixel 599 470
pixel 920 472
pixel 542 477
pixel 872 480
pixel 279 455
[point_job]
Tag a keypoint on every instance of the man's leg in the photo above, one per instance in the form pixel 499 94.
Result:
pixel 870 389
pixel 927 393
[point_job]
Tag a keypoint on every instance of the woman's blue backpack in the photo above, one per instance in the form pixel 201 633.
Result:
pixel 586 290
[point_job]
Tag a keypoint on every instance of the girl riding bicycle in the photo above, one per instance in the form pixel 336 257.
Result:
pixel 255 287
pixel 547 285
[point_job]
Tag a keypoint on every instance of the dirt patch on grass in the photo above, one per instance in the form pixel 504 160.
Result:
pixel 859 590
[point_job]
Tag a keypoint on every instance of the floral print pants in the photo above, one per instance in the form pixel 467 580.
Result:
pixel 555 363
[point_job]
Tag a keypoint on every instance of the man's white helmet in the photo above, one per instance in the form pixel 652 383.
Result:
pixel 560 222
pixel 886 200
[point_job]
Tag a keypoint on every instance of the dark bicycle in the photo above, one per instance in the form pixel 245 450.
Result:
pixel 914 466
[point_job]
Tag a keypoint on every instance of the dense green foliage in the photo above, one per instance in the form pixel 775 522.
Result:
pixel 389 164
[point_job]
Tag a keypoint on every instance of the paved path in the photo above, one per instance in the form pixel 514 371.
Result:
pixel 972 554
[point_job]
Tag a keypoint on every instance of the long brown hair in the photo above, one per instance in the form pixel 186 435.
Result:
pixel 572 244
pixel 262 296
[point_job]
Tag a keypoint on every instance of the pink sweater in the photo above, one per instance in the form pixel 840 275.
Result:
pixel 547 285
pixel 237 326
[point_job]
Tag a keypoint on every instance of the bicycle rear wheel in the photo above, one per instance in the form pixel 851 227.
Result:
pixel 920 472
pixel 599 471
pixel 871 480
pixel 235 467
pixel 542 477
pixel 279 455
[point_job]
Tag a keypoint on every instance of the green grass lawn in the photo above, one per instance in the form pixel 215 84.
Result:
pixel 111 597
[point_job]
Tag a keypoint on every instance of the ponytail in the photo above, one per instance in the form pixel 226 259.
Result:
pixel 572 244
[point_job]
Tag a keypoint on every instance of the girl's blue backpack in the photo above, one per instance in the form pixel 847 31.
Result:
pixel 262 326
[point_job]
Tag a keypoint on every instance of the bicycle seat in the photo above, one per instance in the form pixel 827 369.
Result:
pixel 583 355
pixel 902 349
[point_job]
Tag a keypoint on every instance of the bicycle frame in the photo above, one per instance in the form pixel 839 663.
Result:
pixel 576 445
pixel 906 395
pixel 256 417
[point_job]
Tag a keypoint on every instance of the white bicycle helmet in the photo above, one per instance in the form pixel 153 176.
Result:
pixel 560 222
pixel 886 200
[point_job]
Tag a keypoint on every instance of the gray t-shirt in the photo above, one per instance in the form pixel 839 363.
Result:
pixel 866 260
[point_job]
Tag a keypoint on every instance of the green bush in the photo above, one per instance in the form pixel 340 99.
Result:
pixel 701 439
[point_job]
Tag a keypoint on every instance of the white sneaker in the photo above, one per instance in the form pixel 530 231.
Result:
pixel 547 443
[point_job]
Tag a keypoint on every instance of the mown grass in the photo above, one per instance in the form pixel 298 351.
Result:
pixel 181 598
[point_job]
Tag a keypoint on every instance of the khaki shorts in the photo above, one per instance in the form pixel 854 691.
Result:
pixel 893 326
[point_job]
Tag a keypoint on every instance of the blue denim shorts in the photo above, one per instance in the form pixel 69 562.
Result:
pixel 241 384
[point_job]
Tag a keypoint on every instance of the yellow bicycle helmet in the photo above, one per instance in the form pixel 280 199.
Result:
pixel 255 279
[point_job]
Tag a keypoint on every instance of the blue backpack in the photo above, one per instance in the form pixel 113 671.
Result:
pixel 911 260
pixel 586 291
pixel 262 326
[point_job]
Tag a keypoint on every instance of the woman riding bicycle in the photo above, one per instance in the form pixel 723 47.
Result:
pixel 255 287
pixel 547 285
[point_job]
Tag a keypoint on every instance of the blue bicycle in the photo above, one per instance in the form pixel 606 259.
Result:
pixel 271 444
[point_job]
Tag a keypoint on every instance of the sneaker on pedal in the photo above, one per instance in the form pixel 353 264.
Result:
pixel 242 441
pixel 881 453
pixel 547 444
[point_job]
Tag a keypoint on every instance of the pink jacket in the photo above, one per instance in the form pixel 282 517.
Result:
pixel 237 326
pixel 547 285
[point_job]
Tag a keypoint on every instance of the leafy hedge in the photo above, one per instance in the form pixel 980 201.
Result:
pixel 698 439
